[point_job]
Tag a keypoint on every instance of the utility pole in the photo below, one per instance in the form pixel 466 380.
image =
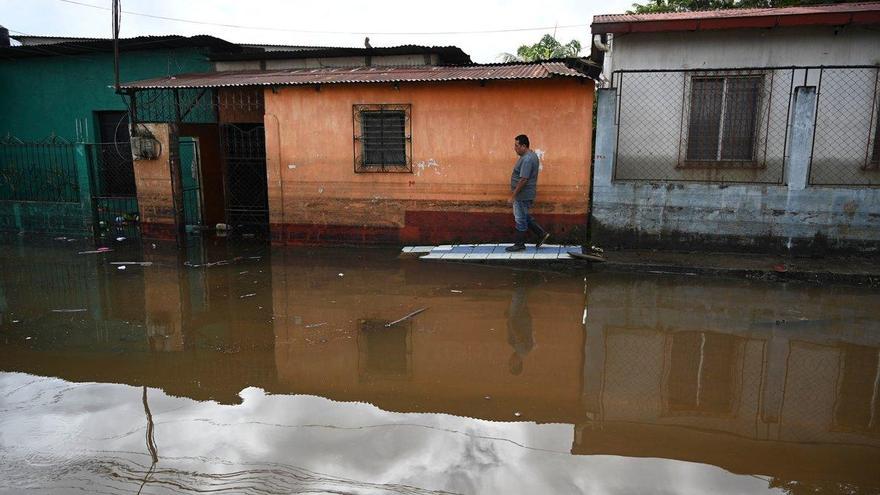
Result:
pixel 116 12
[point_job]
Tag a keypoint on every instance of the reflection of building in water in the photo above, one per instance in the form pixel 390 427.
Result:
pixel 729 377
pixel 519 328
pixel 133 326
pixel 384 352
pixel 331 340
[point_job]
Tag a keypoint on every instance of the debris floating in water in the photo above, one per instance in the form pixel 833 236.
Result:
pixel 96 251
pixel 456 291
pixel 517 414
pixel 395 322
pixel 76 310
pixel 341 274
pixel 316 325
pixel 120 267
pixel 139 263
pixel 252 294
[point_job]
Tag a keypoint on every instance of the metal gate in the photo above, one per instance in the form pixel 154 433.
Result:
pixel 191 176
pixel 244 152
pixel 114 193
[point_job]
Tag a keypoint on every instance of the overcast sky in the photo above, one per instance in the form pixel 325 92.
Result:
pixel 323 22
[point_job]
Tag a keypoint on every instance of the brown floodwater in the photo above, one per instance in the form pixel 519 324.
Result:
pixel 282 370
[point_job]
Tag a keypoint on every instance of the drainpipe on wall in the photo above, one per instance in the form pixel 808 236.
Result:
pixel 600 53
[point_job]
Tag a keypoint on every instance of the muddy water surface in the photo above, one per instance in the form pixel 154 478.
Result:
pixel 276 371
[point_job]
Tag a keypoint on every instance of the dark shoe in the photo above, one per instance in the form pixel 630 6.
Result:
pixel 519 242
pixel 542 239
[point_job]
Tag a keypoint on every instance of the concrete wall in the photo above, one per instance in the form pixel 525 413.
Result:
pixel 787 216
pixel 153 180
pixel 778 47
pixel 462 156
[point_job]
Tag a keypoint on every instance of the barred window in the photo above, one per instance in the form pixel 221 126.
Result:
pixel 723 120
pixel 382 138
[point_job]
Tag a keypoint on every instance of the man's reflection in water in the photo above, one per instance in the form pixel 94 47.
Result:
pixel 519 327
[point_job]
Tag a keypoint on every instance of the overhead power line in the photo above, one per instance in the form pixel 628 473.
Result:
pixel 308 31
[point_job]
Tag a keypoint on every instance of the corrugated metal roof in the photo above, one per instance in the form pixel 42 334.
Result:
pixel 362 75
pixel 85 46
pixel 836 14
pixel 449 55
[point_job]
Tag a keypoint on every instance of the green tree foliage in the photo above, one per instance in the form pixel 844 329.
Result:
pixel 654 6
pixel 547 48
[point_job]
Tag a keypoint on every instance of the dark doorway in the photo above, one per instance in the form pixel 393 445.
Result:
pixel 115 193
pixel 244 152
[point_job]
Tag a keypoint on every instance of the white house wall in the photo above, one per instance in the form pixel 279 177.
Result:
pixel 778 47
pixel 813 186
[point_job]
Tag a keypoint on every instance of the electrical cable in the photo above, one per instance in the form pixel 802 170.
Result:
pixel 307 31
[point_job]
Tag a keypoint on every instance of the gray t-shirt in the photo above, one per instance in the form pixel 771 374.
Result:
pixel 526 166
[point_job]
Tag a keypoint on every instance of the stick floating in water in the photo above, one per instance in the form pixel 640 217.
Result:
pixel 395 322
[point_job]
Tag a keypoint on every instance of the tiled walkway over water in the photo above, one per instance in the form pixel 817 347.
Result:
pixel 491 252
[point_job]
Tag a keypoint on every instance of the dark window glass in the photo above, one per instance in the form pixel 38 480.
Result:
pixel 723 118
pixel 383 133
pixel 740 118
pixel 705 117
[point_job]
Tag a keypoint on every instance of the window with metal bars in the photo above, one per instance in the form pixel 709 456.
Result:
pixel 723 120
pixel 382 138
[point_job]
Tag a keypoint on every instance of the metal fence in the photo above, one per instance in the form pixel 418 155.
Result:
pixel 200 105
pixel 733 125
pixel 720 125
pixel 846 143
pixel 114 192
pixel 39 171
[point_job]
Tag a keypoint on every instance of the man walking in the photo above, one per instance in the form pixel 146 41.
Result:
pixel 524 187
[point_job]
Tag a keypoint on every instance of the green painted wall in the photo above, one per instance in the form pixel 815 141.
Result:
pixel 42 95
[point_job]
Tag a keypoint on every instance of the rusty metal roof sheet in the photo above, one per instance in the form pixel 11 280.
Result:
pixel 574 68
pixel 836 14
pixel 449 55
pixel 72 46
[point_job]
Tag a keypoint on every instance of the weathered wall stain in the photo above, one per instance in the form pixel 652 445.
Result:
pixel 462 155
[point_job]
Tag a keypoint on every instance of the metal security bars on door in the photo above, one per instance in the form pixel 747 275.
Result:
pixel 38 171
pixel 382 138
pixel 113 185
pixel 722 125
pixel 244 149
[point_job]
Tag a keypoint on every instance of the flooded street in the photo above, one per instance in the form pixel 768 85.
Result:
pixel 286 370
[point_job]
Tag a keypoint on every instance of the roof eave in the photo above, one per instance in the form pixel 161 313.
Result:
pixel 744 22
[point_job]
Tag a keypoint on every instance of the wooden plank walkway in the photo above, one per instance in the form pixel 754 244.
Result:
pixel 490 252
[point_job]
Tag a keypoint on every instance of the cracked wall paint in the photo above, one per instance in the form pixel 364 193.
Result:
pixel 424 166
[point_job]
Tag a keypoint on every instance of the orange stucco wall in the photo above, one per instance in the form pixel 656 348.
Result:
pixel 462 156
